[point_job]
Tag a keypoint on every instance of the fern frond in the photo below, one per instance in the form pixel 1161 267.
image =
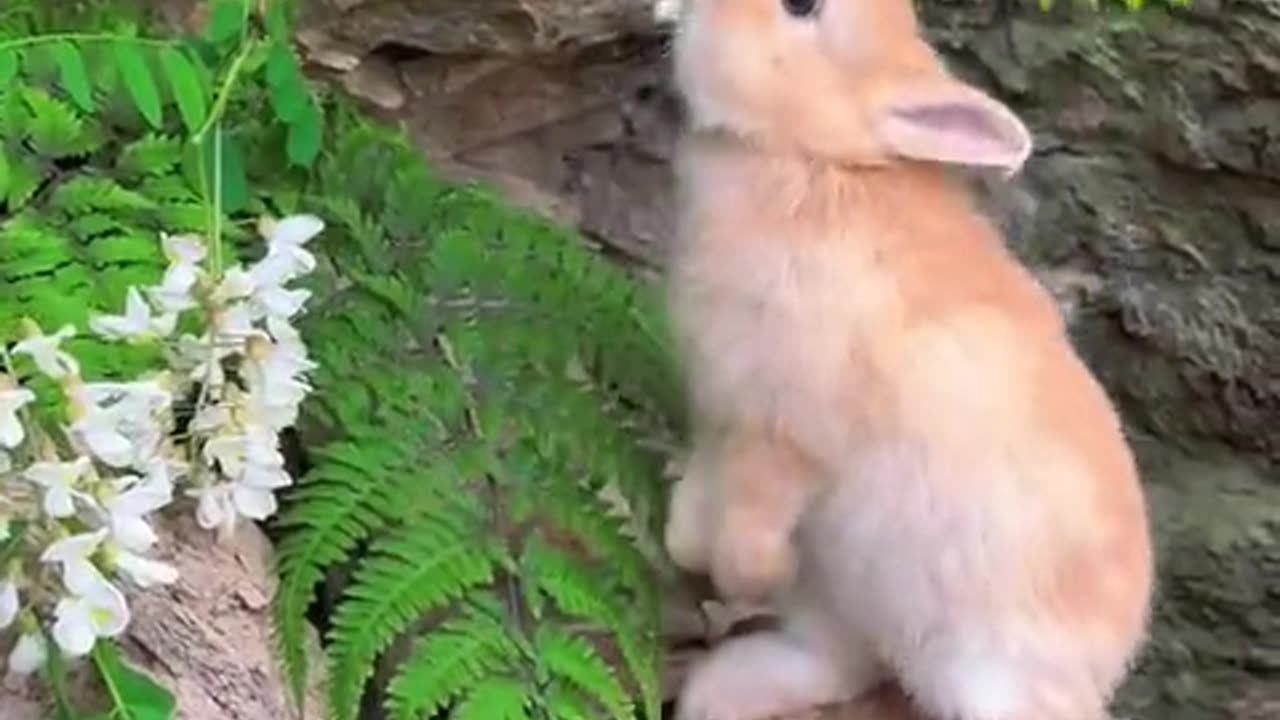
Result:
pixel 150 155
pixel 496 698
pixel 578 664
pixel 423 567
pixel 449 661
pixel 85 194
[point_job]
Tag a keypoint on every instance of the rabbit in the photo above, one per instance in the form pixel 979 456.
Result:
pixel 895 442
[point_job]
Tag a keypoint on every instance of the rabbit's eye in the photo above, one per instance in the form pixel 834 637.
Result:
pixel 801 8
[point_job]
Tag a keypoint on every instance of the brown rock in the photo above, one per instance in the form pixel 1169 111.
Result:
pixel 207 637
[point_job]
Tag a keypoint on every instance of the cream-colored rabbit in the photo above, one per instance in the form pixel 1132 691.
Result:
pixel 896 441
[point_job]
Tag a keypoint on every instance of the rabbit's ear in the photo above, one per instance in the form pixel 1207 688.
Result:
pixel 947 121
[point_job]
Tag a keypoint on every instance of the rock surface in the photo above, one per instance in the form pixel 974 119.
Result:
pixel 1151 208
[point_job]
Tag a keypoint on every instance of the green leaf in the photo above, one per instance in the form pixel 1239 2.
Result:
pixel 187 90
pixel 4 173
pixel 150 155
pixel 138 79
pixel 55 130
pixel 289 95
pixel 496 698
pixel 303 142
pixel 8 66
pixel 139 697
pixel 226 21
pixel 278 19
pixel 74 76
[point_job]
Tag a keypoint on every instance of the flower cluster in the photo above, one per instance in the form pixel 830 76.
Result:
pixel 78 489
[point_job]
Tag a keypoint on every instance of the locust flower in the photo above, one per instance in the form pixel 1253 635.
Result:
pixel 46 352
pixel 97 610
pixel 73 554
pixel 121 423
pixel 8 602
pixel 59 480
pixel 11 402
pixel 286 257
pixel 28 654
pixel 185 253
pixel 137 323
pixel 127 511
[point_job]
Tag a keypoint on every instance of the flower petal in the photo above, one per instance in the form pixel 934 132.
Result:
pixel 28 654
pixel 109 613
pixel 145 571
pixel 74 547
pixel 254 503
pixel 8 603
pixel 73 628
pixel 294 230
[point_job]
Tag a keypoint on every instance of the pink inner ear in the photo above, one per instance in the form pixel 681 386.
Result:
pixel 969 130
pixel 949 118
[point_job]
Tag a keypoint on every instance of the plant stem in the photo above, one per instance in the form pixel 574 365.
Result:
pixel 224 91
pixel 20 43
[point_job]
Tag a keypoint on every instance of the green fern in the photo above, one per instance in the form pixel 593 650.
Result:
pixel 482 381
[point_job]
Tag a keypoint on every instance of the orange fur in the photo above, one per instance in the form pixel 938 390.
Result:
pixel 895 437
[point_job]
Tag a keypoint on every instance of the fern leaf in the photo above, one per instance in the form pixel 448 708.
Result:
pixel 85 193
pixel 421 568
pixel 566 703
pixel 189 93
pixel 25 177
pixel 74 76
pixel 141 84
pixel 150 155
pixel 5 175
pixel 574 660
pixel 496 698
pixel 54 128
pixel 10 60
pixel 337 506
pixel 447 662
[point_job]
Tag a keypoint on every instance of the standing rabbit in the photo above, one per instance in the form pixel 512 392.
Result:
pixel 895 440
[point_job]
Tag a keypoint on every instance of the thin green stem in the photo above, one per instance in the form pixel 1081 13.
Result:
pixel 20 43
pixel 224 91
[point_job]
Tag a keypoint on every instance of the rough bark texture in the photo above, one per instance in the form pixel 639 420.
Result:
pixel 1150 208
pixel 207 637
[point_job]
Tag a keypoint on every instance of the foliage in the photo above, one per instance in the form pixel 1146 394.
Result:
pixel 108 140
pixel 482 383
pixel 485 387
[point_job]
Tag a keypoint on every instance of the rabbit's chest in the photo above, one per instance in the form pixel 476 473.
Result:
pixel 772 335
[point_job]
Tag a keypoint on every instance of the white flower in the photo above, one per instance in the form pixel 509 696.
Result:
pixel 204 359
pixel 128 510
pixel 144 571
pixel 98 610
pixel 237 284
pixel 137 321
pixel 252 502
pixel 59 480
pixel 79 574
pixel 286 257
pixel 28 654
pixel 121 422
pixel 185 253
pixel 215 507
pixel 11 401
pixel 46 352
pixel 8 602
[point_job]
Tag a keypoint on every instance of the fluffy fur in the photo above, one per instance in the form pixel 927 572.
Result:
pixel 896 440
